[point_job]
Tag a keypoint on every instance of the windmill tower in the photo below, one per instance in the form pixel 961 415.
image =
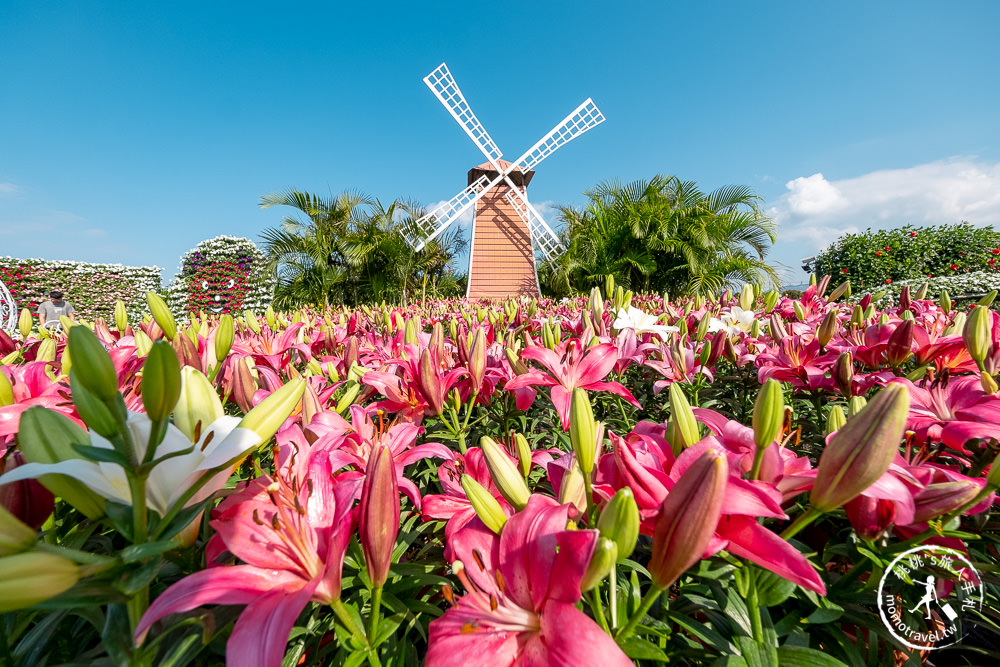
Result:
pixel 507 230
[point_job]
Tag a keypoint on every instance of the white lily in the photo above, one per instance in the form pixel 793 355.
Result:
pixel 225 439
pixel 640 322
pixel 735 321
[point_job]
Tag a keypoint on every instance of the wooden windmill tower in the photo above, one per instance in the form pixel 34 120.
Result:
pixel 507 230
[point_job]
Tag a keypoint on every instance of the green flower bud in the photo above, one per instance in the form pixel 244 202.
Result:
pixel 957 324
pixel 702 330
pixel 121 316
pixel 988 383
pixel 410 332
pixel 583 430
pixel 945 301
pixel 771 300
pixel 272 321
pixel 747 298
pixel 161 381
pixel 682 427
pixel 505 474
pixel 93 364
pixel 6 391
pixel 523 454
pixel 224 336
pixel 977 334
pixel 602 561
pixel 855 404
pixel 609 284
pixel 987 300
pixel 46 350
pixel 921 293
pixel 252 322
pixel 857 317
pixel 486 506
pixel 835 420
pixel 267 416
pixel 843 289
pixel 15 535
pixel 143 344
pixel 161 314
pixel 24 323
pixel 768 414
pixel 828 328
pixel 800 312
pixel 94 412
pixel 348 397
pixel 30 578
pixel 619 522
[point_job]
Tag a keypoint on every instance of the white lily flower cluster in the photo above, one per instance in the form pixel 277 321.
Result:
pixel 735 321
pixel 642 322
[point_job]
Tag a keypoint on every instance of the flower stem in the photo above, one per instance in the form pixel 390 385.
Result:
pixel 598 608
pixel 341 611
pixel 373 619
pixel 613 597
pixel 801 522
pixel 647 601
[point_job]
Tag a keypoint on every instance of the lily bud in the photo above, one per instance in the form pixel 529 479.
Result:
pixel 548 338
pixel 15 535
pixel 46 350
pixel 94 412
pixel 572 487
pixel 430 384
pixel 988 383
pixel 904 298
pixel 821 286
pixel 252 322
pixel 29 578
pixel 771 300
pixel 937 499
pixel 436 343
pixel 702 329
pixel 609 284
pixel 869 312
pixel 267 416
pixel 843 289
pixel 993 477
pixel 143 343
pixel 505 474
pixel 486 506
pixel 945 301
pixel 24 323
pixel 907 315
pixel 768 414
pixel 688 518
pixel 596 304
pixel 348 397
pixel 857 317
pixel 777 326
pixel 583 430
pixel 747 297
pixel 161 381
pixel 957 324
pixel 855 404
pixel 619 521
pixel 835 420
pixel 523 454
pixel 272 320
pixel 121 316
pixel 602 561
pixel 827 329
pixel 843 374
pixel 197 401
pixel 976 334
pixel 682 427
pixel 861 452
pixel 378 514
pixel 162 315
pixel 6 391
pixel 921 292
pixel 225 333
pixel 477 358
pixel 987 300
pixel 897 349
pixel 410 332
pixel 800 312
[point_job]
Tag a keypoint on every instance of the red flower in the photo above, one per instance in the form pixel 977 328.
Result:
pixel 912 234
pixel 878 253
pixel 996 251
pixel 888 281
pixel 930 275
pixel 992 262
pixel 962 253
pixel 843 270
pixel 888 248
pixel 953 267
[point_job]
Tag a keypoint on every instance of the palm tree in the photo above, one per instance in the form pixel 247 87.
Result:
pixel 664 234
pixel 351 249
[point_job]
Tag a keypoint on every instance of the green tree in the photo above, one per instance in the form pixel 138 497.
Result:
pixel 350 249
pixel 664 235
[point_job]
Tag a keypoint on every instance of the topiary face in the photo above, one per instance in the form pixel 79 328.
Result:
pixel 218 287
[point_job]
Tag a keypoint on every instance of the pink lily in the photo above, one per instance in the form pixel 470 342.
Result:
pixel 521 593
pixel 572 366
pixel 953 412
pixel 290 556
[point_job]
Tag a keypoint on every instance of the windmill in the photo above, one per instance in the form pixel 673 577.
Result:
pixel 507 230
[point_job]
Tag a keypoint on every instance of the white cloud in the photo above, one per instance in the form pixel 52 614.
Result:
pixel 9 189
pixel 815 211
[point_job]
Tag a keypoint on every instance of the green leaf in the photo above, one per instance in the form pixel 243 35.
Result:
pixel 140 577
pixel 121 518
pixel 638 648
pixel 757 654
pixel 102 455
pixel 138 552
pixel 772 589
pixel 800 656
pixel 703 632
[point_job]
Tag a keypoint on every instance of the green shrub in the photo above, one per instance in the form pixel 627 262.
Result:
pixel 879 257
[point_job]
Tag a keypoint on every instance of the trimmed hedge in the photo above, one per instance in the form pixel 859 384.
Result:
pixel 93 289
pixel 228 267
pixel 871 259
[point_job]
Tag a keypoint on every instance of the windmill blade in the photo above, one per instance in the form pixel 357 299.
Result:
pixel 583 118
pixel 431 225
pixel 443 85
pixel 543 236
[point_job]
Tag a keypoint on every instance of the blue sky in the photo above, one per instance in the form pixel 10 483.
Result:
pixel 129 132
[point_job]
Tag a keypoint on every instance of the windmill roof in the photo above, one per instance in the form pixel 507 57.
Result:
pixel 486 166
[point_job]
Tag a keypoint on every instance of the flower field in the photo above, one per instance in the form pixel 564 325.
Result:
pixel 609 480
